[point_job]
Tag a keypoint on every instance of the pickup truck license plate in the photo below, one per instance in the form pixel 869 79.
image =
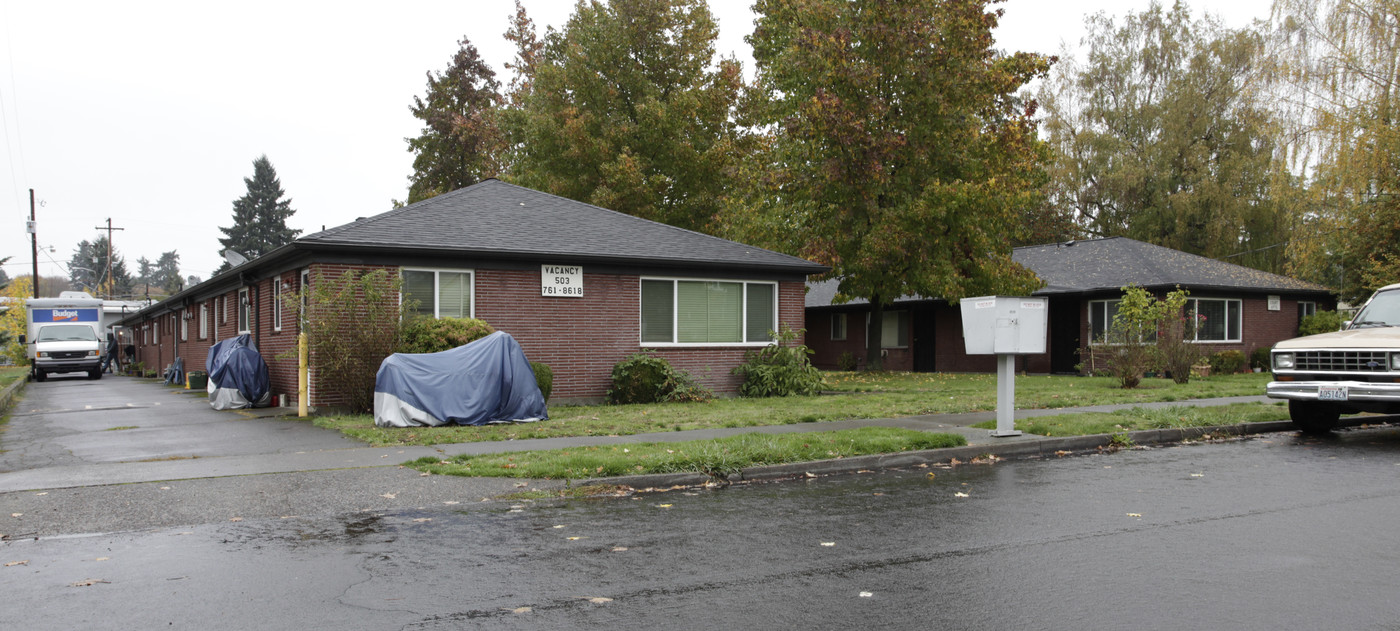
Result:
pixel 1332 393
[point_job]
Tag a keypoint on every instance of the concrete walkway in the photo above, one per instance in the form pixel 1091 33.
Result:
pixel 49 445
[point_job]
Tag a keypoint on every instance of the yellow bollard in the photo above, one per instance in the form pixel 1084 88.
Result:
pixel 301 374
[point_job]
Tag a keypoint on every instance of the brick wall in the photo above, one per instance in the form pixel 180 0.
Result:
pixel 579 338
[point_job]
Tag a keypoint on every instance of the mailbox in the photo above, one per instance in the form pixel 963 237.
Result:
pixel 1004 325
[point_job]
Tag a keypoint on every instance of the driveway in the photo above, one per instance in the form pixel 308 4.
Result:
pixel 70 431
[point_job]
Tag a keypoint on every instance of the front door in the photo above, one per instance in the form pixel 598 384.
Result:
pixel 924 358
pixel 1064 334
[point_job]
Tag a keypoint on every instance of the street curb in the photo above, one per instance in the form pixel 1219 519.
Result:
pixel 10 394
pixel 1038 447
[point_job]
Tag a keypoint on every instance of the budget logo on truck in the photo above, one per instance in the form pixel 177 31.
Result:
pixel 65 315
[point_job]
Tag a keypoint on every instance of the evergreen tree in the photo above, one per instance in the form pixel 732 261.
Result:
pixel 166 274
pixel 461 143
pixel 88 270
pixel 260 216
pixel 145 271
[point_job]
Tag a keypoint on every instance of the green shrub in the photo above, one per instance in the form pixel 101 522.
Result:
pixel 1259 358
pixel 779 371
pixel 1226 362
pixel 424 334
pixel 847 361
pixel 1320 322
pixel 544 378
pixel 646 378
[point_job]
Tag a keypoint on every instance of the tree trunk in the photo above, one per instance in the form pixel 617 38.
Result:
pixel 874 333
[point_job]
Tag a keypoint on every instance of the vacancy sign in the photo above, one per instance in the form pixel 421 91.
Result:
pixel 561 281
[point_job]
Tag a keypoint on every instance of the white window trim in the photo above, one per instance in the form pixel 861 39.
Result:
pixel 245 306
pixel 1312 308
pixel 1238 306
pixel 437 288
pixel 203 320
pixel 185 325
pixel 276 304
pixel 845 326
pixel 675 313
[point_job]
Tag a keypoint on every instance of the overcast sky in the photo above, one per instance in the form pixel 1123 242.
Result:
pixel 151 113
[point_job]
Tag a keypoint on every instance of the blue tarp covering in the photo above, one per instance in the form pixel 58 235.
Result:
pixel 237 375
pixel 486 381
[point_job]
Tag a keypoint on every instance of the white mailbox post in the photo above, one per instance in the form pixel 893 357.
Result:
pixel 1005 326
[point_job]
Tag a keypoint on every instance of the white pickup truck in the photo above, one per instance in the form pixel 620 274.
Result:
pixel 1356 369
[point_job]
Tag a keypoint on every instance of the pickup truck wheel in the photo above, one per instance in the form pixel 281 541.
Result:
pixel 40 375
pixel 95 374
pixel 1312 417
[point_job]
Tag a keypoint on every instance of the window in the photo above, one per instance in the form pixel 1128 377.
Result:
pixel 1306 308
pixel 245 307
pixel 440 293
pixel 894 329
pixel 276 304
pixel 185 325
pixel 838 326
pixel 1219 319
pixel 1101 314
pixel 708 312
pixel 155 331
pixel 203 320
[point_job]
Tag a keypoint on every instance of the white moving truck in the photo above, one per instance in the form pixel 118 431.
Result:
pixel 65 335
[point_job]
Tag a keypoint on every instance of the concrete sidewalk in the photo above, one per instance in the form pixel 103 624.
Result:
pixel 72 475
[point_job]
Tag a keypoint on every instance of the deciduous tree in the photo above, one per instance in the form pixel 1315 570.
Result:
pixel 627 108
pixel 1338 65
pixel 1163 136
pixel 900 153
pixel 461 142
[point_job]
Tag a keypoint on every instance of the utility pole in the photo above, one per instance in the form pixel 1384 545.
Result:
pixel 34 236
pixel 110 281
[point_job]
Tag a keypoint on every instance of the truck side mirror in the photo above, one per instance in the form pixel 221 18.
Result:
pixel 21 339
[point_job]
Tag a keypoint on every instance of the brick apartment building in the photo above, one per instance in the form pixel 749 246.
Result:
pixel 1244 308
pixel 580 287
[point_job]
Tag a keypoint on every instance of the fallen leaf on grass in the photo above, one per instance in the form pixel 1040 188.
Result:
pixel 1062 453
pixel 931 475
pixel 663 505
pixel 87 582
pixel 14 563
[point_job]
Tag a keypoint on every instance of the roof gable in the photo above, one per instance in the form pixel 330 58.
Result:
pixel 498 219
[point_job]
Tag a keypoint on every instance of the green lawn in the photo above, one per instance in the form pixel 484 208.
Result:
pixel 719 457
pixel 850 395
pixel 8 374
pixel 1176 416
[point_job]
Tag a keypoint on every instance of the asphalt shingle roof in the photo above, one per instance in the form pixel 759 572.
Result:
pixel 500 219
pixel 1115 262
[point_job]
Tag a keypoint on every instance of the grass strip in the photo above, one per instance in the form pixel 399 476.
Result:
pixel 718 457
pixel 1176 416
pixel 856 396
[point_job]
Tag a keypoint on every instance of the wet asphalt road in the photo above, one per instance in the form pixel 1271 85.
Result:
pixel 1274 532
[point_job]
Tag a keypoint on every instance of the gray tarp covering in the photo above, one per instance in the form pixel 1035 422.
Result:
pixel 486 381
pixel 237 375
